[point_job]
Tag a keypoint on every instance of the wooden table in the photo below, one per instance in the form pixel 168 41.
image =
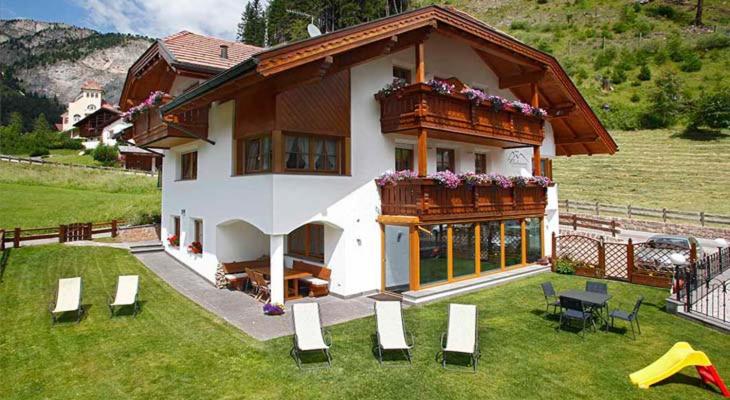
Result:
pixel 290 275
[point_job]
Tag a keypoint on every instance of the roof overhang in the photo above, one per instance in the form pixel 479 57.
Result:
pixel 577 129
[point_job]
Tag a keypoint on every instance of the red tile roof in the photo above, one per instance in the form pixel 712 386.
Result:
pixel 191 48
pixel 91 85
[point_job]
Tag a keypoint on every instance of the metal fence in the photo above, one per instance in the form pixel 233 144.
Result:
pixel 656 214
pixel 702 286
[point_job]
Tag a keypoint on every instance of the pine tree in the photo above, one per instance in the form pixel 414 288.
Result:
pixel 252 28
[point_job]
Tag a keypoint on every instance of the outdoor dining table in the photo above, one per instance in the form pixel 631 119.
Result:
pixel 290 275
pixel 592 299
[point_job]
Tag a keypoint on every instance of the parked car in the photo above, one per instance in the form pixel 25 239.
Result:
pixel 655 252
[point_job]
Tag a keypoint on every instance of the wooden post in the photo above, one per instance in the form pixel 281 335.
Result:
pixel 664 215
pixel 628 211
pixel 534 95
pixel 536 161
pixel 567 205
pixel 382 257
pixel 502 258
pixel 702 218
pixel 477 248
pixel 114 228
pixel 523 241
pixel 422 152
pixel 613 227
pixel 87 233
pixel 693 253
pixel 449 253
pixel 630 260
pixel 16 238
pixel 598 209
pixel 61 233
pixel 2 240
pixel 554 252
pixel 415 262
pixel 575 222
pixel 420 63
pixel 601 272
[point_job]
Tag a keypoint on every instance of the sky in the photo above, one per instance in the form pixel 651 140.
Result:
pixel 154 18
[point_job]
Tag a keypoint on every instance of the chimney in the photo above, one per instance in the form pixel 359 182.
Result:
pixel 224 51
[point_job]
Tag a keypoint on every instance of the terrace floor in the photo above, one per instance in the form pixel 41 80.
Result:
pixel 242 310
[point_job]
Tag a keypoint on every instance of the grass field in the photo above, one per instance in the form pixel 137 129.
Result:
pixel 660 168
pixel 71 157
pixel 175 349
pixel 41 196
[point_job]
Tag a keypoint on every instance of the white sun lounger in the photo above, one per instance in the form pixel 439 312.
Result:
pixel 390 329
pixel 463 333
pixel 308 333
pixel 68 299
pixel 127 291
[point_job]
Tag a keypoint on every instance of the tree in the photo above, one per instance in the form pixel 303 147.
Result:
pixel 666 103
pixel 11 135
pixel 712 111
pixel 698 15
pixel 252 28
pixel 41 125
pixel 644 73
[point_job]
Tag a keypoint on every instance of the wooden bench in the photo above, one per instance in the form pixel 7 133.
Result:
pixel 319 282
pixel 235 274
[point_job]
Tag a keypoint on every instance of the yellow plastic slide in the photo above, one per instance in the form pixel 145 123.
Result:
pixel 679 356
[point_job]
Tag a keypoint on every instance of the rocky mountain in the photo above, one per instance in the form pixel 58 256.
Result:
pixel 54 59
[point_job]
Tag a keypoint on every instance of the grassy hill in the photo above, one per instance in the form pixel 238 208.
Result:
pixel 40 196
pixel 660 168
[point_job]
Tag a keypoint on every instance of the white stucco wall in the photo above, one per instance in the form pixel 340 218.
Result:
pixel 80 106
pixel 347 205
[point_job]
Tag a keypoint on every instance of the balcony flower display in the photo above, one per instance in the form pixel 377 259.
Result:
pixel 391 178
pixel 476 96
pixel 173 240
pixel 446 178
pixel 440 87
pixel 195 248
pixel 273 309
pixel 543 181
pixel 154 99
pixel 498 103
pixel 393 87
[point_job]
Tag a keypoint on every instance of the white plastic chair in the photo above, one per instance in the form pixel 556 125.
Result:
pixel 309 335
pixel 391 330
pixel 68 298
pixel 127 292
pixel 462 336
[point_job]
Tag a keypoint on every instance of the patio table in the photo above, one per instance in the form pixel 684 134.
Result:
pixel 290 275
pixel 593 299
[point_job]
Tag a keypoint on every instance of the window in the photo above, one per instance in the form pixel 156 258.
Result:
pixel 403 159
pixel 307 241
pixel 402 73
pixel 77 117
pixel 176 229
pixel 546 167
pixel 444 160
pixel 91 107
pixel 258 154
pixel 198 232
pixel 189 166
pixel 311 153
pixel 480 163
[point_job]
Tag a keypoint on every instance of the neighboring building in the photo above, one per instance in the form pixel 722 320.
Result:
pixel 97 126
pixel 132 157
pixel 278 155
pixel 89 99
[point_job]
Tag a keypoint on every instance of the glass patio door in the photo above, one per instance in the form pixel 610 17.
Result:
pixel 397 258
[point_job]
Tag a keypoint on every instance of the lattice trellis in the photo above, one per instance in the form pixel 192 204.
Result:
pixel 579 248
pixel 616 266
pixel 648 257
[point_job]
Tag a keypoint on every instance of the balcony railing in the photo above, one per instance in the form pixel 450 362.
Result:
pixel 150 129
pixel 430 201
pixel 418 106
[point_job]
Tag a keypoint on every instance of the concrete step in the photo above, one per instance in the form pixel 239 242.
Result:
pixel 146 248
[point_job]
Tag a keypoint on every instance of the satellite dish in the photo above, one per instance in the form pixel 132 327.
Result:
pixel 313 30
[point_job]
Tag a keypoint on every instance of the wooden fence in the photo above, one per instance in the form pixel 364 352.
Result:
pixel 23 160
pixel 639 263
pixel 64 233
pixel 576 221
pixel 631 212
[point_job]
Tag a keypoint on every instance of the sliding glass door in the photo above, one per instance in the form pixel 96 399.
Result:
pixel 463 249
pixel 397 258
pixel 490 246
pixel 433 253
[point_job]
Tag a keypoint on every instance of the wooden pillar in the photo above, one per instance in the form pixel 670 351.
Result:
pixel 630 260
pixel 449 253
pixel 534 95
pixel 382 257
pixel 523 242
pixel 502 257
pixel 420 63
pixel 477 248
pixel 422 152
pixel 536 170
pixel 415 277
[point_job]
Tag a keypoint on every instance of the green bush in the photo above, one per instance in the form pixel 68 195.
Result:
pixel 691 63
pixel 39 152
pixel 625 118
pixel 519 26
pixel 635 98
pixel 665 11
pixel 712 111
pixel 107 155
pixel 667 103
pixel 644 73
pixel 564 265
pixel 618 76
pixel 604 58
pixel 713 41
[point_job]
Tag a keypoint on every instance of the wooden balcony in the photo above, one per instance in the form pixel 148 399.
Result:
pixel 431 202
pixel 150 129
pixel 455 117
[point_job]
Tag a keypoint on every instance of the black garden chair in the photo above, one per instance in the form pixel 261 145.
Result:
pixel 631 317
pixel 551 298
pixel 575 310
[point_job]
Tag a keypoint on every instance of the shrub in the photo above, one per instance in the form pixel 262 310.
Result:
pixel 618 76
pixel 712 111
pixel 519 26
pixel 564 265
pixel 713 41
pixel 39 151
pixel 644 73
pixel 667 103
pixel 107 155
pixel 664 11
pixel 635 98
pixel 604 58
pixel 691 63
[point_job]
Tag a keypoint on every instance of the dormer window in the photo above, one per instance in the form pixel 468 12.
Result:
pixel 224 51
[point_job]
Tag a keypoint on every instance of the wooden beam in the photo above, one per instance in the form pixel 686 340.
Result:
pixel 534 95
pixel 422 152
pixel 415 262
pixel 536 161
pixel 420 63
pixel 523 242
pixel 561 110
pixel 577 140
pixel 502 256
pixel 277 151
pixel 491 48
pixel 390 44
pixel 526 78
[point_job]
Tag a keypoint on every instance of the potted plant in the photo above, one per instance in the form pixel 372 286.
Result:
pixel 273 309
pixel 173 240
pixel 195 248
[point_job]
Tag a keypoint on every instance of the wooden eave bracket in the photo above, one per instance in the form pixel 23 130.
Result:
pixel 188 132
pixel 522 79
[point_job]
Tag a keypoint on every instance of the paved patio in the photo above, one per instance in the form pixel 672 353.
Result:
pixel 240 309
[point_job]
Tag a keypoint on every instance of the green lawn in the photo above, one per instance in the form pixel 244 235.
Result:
pixel 71 157
pixel 656 169
pixel 175 349
pixel 42 196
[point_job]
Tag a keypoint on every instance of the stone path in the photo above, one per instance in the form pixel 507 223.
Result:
pixel 240 309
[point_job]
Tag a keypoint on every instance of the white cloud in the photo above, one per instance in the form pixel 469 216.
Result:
pixel 159 18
